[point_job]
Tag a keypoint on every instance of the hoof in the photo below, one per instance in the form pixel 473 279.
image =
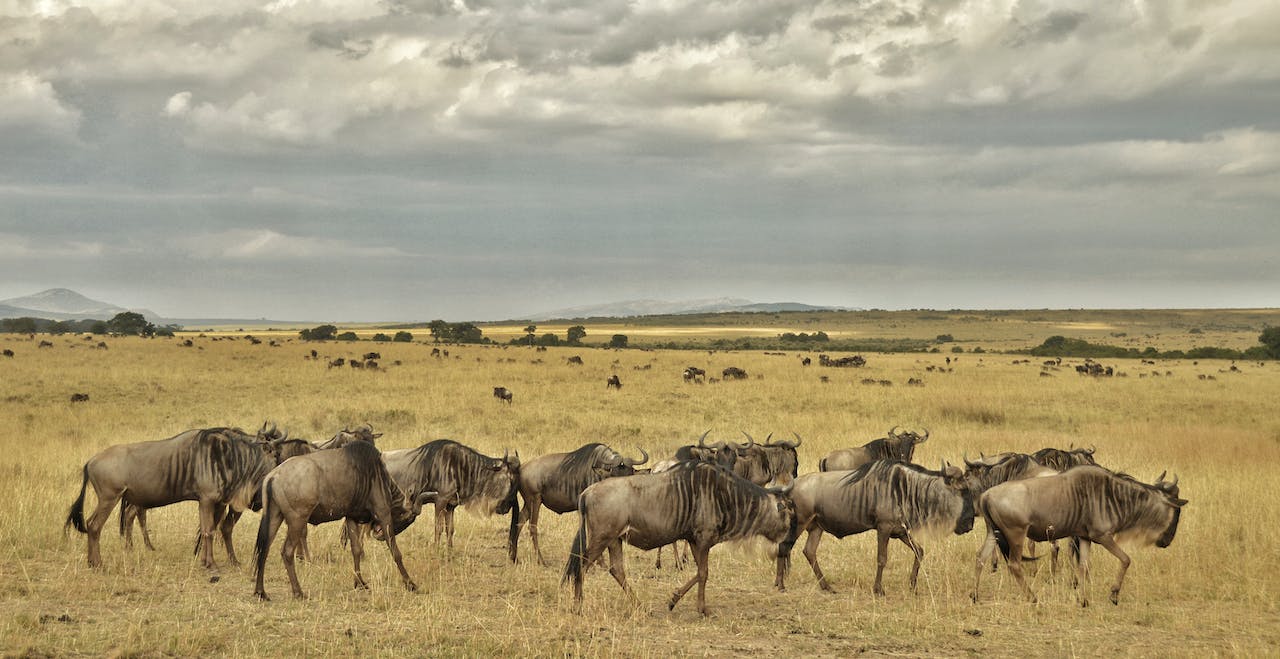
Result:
pixel 1115 598
pixel 215 579
pixel 411 587
pixel 262 596
pixel 973 597
pixel 1084 604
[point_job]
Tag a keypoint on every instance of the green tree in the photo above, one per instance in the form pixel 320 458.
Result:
pixel 402 337
pixel 99 327
pixel 548 339
pixel 320 333
pixel 576 334
pixel 1270 338
pixel 531 330
pixel 380 337
pixel 130 323
pixel 24 325
pixel 347 336
pixel 944 338
pixel 618 341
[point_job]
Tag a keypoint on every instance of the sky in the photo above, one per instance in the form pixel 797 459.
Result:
pixel 486 159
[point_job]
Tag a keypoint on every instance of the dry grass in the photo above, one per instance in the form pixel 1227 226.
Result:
pixel 1212 592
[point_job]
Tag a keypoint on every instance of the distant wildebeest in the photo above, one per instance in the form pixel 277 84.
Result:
pixel 314 354
pixel 895 499
pixel 613 382
pixel 915 382
pixel 556 480
pixel 502 394
pixel 697 502
pixel 79 398
pixel 734 373
pixel 461 476
pixel 8 352
pixel 575 360
pixel 806 361
pixel 351 483
pixel 355 363
pixel 45 344
pixel 895 446
pixel 694 374
pixel 770 463
pixel 338 362
pixel 1089 503
pixel 372 355
pixel 371 364
pixel 218 467
pixel 853 361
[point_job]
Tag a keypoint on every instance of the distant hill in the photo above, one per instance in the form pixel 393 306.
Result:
pixel 633 308
pixel 65 304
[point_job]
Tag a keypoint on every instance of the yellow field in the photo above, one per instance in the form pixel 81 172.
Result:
pixel 1212 592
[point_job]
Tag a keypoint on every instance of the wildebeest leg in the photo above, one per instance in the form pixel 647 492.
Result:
pixel 229 519
pixel 141 515
pixel 700 555
pixel 395 554
pixel 919 553
pixel 448 525
pixel 680 592
pixel 1080 575
pixel 439 518
pixel 618 570
pixel 271 520
pixel 287 553
pixel 207 522
pixel 882 559
pixel 811 554
pixel 532 508
pixel 1109 542
pixel 106 502
pixel 1016 539
pixel 357 551
pixel 986 554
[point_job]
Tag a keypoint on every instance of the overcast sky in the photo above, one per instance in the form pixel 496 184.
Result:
pixel 484 159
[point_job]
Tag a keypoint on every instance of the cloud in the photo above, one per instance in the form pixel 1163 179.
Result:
pixel 28 102
pixel 268 245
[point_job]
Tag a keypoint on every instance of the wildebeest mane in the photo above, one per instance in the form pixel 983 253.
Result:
pixel 911 485
pixel 233 457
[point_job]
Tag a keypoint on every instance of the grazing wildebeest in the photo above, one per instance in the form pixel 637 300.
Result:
pixel 503 394
pixel 341 361
pixel 770 463
pixel 896 446
pixel 694 374
pixel 575 360
pixel 217 467
pixel 1089 503
pixel 698 502
pixel 79 398
pixel 895 499
pixel 462 477
pixel 351 483
pixel 556 480
pixel 372 355
pixel 734 373
pixel 8 352
pixel 45 344
pixel 806 361
pixel 613 382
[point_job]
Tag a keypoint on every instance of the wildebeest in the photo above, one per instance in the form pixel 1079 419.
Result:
pixel 502 394
pixel 895 446
pixel 575 360
pixel 8 352
pixel 1089 503
pixel 770 463
pixel 218 467
pixel 613 382
pixel 45 344
pixel 461 476
pixel 698 502
pixel 372 355
pixel 351 483
pixel 734 373
pixel 556 480
pixel 1061 460
pixel 694 374
pixel 341 361
pixel 895 499
pixel 79 398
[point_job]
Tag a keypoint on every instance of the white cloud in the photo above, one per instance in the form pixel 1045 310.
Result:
pixel 178 104
pixel 27 101
pixel 269 245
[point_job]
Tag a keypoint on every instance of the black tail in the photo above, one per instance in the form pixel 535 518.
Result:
pixel 75 516
pixel 513 535
pixel 573 569
pixel 124 512
pixel 822 464
pixel 263 545
pixel 1003 543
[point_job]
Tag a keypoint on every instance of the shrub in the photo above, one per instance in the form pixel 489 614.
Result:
pixel 402 337
pixel 381 337
pixel 618 341
pixel 347 336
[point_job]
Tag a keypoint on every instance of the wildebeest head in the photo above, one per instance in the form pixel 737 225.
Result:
pixel 954 479
pixel 902 445
pixel 617 464
pixel 1170 491
pixel 404 511
pixel 501 485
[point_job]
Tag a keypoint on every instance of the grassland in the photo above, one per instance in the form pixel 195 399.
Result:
pixel 1211 592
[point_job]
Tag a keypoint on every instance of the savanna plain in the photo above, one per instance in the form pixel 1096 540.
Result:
pixel 1213 591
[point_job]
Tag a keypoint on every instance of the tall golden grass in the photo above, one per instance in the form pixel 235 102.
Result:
pixel 1212 591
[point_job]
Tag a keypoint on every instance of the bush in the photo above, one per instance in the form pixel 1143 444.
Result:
pixel 944 338
pixel 618 341
pixel 347 336
pixel 402 337
pixel 320 333
pixel 957 349
pixel 380 337
pixel 1270 338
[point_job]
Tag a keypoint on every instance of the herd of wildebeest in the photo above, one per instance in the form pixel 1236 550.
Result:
pixel 705 494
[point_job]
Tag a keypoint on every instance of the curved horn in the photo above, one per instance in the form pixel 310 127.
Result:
pixel 703 438
pixel 924 439
pixel 971 463
pixel 1175 480
pixel 1092 448
pixel 892 433
pixel 1160 478
pixel 788 444
pixel 750 442
pixel 640 461
pixel 284 435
